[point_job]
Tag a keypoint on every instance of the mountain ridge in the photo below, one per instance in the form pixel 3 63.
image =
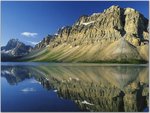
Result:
pixel 93 38
pixel 86 20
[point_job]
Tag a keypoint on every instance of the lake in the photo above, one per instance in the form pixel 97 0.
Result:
pixel 33 87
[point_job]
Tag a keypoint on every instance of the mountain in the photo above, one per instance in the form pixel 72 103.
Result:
pixel 115 35
pixel 14 49
pixel 44 43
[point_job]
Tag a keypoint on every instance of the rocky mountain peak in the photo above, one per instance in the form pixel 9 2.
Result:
pixel 12 43
pixel 81 19
pixel 14 48
pixel 112 8
pixel 129 10
pixel 112 24
pixel 102 29
pixel 45 42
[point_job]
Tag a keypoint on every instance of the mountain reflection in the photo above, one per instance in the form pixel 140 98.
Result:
pixel 92 88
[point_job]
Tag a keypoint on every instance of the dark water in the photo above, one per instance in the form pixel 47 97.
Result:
pixel 70 87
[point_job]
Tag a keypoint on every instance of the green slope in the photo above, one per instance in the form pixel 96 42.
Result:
pixel 118 51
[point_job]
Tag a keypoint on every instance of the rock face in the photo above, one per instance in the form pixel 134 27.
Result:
pixel 86 40
pixel 45 42
pixel 14 49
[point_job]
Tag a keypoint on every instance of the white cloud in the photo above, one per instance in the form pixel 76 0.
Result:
pixel 29 34
pixel 28 90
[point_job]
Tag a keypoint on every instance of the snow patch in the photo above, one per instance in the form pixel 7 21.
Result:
pixel 85 102
pixel 63 27
pixel 55 90
pixel 56 34
pixel 94 14
pixel 87 23
pixel 46 78
pixel 77 79
pixel 8 51
pixel 6 72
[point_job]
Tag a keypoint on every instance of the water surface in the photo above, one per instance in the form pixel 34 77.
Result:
pixel 74 87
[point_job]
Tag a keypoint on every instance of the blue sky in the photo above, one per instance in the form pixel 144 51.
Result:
pixel 30 21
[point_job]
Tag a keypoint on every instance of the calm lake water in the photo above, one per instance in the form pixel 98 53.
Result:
pixel 73 87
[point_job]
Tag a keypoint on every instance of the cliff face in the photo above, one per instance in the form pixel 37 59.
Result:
pixel 87 39
pixel 110 25
pixel 44 43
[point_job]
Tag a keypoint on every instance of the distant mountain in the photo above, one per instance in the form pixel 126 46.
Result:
pixel 14 49
pixel 115 35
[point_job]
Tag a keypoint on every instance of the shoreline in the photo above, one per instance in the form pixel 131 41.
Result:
pixel 71 64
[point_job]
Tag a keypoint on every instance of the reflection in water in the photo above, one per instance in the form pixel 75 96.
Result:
pixel 92 88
